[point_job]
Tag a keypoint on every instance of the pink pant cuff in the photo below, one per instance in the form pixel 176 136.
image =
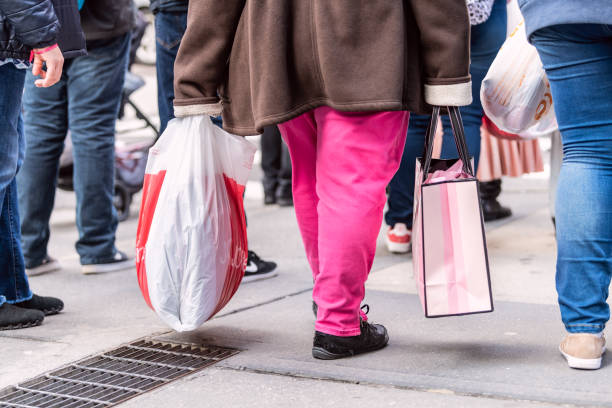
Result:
pixel 336 332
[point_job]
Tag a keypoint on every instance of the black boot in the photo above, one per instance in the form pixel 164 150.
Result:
pixel 491 208
pixel 47 305
pixel 328 347
pixel 13 317
pixel 269 197
pixel 284 195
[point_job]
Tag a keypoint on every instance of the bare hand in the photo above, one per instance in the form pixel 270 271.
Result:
pixel 54 60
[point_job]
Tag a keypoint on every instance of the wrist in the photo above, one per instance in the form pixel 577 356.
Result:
pixel 39 51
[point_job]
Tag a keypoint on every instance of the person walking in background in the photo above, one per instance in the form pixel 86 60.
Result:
pixel 28 28
pixel 488 33
pixel 339 91
pixel 86 102
pixel 276 165
pixel 170 26
pixel 574 41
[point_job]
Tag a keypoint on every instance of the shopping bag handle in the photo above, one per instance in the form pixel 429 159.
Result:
pixel 458 134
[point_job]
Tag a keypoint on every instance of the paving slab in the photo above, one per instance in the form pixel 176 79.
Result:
pixel 509 354
pixel 225 387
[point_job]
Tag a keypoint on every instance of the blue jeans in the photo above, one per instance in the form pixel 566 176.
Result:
pixel 486 40
pixel 578 62
pixel 14 285
pixel 169 29
pixel 86 101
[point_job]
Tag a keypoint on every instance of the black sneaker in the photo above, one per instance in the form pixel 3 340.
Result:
pixel 47 305
pixel 120 261
pixel 47 265
pixel 328 347
pixel 258 269
pixel 13 317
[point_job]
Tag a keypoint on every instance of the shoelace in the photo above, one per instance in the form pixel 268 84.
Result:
pixel 363 313
pixel 366 307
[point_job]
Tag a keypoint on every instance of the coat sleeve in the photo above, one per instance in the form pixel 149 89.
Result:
pixel 445 47
pixel 34 21
pixel 202 60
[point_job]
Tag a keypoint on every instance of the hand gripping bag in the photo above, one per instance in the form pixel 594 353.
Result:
pixel 191 245
pixel 515 93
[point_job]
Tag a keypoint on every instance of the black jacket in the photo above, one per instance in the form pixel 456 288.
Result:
pixel 169 5
pixel 106 19
pixel 26 24
pixel 71 39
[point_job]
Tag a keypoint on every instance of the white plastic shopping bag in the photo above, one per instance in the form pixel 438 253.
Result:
pixel 191 242
pixel 515 93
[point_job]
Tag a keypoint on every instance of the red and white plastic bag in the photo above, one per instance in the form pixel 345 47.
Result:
pixel 191 246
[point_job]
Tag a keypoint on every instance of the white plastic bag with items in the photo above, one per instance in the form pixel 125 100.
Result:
pixel 515 93
pixel 191 247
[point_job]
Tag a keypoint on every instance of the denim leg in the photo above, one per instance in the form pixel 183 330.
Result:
pixel 14 285
pixel 487 38
pixel 13 281
pixel 45 118
pixel 169 30
pixel 95 84
pixel 578 63
pixel 401 188
pixel 11 88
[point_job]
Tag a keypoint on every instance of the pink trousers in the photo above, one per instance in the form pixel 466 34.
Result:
pixel 342 163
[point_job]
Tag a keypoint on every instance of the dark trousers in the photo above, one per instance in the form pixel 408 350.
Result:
pixel 276 163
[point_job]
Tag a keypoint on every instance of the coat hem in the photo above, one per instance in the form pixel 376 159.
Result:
pixel 275 119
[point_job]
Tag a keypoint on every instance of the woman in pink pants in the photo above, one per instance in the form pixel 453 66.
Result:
pixel 339 78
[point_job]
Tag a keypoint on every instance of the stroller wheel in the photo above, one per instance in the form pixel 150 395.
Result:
pixel 122 201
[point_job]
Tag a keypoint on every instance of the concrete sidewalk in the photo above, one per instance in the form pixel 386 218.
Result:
pixel 506 358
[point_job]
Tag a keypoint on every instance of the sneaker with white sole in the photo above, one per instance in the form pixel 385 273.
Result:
pixel 47 265
pixel 258 269
pixel 398 239
pixel 119 262
pixel 583 350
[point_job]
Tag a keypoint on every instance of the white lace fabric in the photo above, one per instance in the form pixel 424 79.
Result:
pixel 479 10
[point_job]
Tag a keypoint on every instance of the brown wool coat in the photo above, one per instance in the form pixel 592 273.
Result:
pixel 271 60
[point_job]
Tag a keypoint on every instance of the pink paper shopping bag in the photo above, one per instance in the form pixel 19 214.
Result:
pixel 449 247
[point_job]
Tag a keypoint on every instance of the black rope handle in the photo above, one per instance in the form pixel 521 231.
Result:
pixel 460 141
pixel 458 134
pixel 429 140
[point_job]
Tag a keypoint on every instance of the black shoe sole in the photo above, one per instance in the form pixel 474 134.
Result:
pixel 321 354
pixel 22 325
pixel 496 217
pixel 50 312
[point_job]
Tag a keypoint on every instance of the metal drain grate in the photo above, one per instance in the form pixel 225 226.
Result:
pixel 113 377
